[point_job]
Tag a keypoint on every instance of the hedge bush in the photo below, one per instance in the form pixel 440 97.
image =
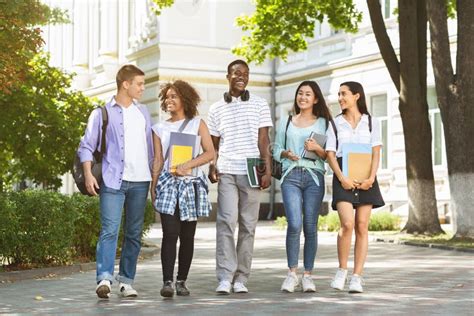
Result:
pixel 42 227
pixel 380 221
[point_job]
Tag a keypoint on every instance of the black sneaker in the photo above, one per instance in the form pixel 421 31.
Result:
pixel 167 290
pixel 181 288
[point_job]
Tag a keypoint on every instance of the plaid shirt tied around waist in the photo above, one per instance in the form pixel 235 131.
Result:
pixel 191 194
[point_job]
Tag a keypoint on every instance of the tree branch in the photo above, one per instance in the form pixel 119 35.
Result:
pixel 385 45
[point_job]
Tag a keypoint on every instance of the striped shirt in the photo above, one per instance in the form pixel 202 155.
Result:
pixel 237 124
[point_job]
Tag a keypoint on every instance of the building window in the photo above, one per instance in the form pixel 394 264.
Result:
pixel 386 6
pixel 436 128
pixel 378 109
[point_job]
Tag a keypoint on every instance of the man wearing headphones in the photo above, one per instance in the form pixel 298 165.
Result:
pixel 238 124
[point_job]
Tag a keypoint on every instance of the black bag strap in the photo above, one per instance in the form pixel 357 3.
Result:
pixel 335 129
pixel 180 130
pixel 105 122
pixel 286 129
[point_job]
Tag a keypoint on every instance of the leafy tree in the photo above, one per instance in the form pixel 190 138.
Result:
pixel 20 37
pixel 41 123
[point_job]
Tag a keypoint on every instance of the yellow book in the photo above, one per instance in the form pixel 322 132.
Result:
pixel 180 155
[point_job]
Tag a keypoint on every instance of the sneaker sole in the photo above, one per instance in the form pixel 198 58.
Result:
pixel 309 291
pixel 103 291
pixel 223 293
pixel 241 292
pixel 183 294
pixel 355 291
pixel 167 293
pixel 287 291
pixel 130 295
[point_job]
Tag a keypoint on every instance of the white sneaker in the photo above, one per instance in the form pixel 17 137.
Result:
pixel 103 289
pixel 355 286
pixel 239 287
pixel 126 290
pixel 308 284
pixel 339 279
pixel 290 283
pixel 224 287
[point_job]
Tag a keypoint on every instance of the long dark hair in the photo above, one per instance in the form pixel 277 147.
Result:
pixel 320 109
pixel 355 88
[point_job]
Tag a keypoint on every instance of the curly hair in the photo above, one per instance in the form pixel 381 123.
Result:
pixel 188 95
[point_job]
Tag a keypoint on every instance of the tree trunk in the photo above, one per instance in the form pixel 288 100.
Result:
pixel 423 212
pixel 456 103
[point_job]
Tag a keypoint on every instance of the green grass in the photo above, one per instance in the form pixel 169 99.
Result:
pixel 442 239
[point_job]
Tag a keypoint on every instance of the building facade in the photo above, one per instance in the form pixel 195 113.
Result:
pixel 193 40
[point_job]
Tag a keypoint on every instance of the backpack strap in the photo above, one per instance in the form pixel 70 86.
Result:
pixel 335 132
pixel 286 129
pixel 370 123
pixel 105 122
pixel 180 130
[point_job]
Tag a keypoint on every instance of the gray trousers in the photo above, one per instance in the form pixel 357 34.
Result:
pixel 236 202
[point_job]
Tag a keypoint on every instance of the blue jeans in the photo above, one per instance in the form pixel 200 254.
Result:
pixel 133 196
pixel 302 199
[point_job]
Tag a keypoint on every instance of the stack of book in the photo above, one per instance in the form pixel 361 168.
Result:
pixel 356 161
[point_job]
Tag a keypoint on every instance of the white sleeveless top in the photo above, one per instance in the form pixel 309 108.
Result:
pixel 163 131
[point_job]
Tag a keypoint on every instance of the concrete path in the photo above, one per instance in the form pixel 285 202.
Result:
pixel 399 280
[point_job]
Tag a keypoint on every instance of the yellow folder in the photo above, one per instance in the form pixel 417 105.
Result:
pixel 359 165
pixel 179 155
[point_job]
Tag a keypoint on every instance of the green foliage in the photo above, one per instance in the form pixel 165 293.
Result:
pixel 44 227
pixel 41 124
pixel 280 26
pixel 160 5
pixel 20 37
pixel 381 221
pixel 329 223
pixel 280 222
pixel 36 227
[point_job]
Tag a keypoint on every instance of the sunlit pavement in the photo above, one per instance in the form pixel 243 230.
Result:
pixel 398 280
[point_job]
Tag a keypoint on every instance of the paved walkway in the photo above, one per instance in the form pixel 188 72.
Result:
pixel 399 280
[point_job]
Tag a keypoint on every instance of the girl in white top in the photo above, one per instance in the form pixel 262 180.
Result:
pixel 353 125
pixel 179 212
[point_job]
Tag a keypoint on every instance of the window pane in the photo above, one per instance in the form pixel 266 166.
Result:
pixel 387 9
pixel 385 144
pixel 432 98
pixel 378 105
pixel 437 140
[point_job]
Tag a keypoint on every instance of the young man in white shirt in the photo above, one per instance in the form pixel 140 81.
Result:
pixel 238 124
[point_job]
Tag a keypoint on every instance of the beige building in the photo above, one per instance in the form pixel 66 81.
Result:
pixel 193 40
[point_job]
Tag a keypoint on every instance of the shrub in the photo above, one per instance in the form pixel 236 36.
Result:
pixel 44 227
pixel 329 222
pixel 384 221
pixel 41 227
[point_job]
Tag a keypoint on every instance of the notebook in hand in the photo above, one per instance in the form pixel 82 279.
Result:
pixel 320 139
pixel 255 171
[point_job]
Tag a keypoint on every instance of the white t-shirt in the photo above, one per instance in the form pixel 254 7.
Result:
pixel 136 167
pixel 237 124
pixel 163 131
pixel 360 135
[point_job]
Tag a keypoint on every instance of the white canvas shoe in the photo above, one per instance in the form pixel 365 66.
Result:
pixel 290 283
pixel 224 287
pixel 126 290
pixel 308 283
pixel 339 279
pixel 239 287
pixel 103 289
pixel 355 286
